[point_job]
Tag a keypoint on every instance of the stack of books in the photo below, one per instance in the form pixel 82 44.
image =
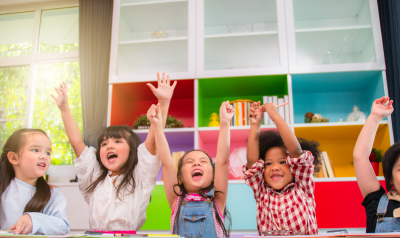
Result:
pixel 242 109
pixel 283 111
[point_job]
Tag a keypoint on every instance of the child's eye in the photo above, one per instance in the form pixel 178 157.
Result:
pixel 283 162
pixel 103 144
pixel 48 153
pixel 35 150
pixel 118 141
pixel 267 164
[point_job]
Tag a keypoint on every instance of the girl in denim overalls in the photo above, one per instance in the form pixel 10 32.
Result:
pixel 197 192
pixel 382 210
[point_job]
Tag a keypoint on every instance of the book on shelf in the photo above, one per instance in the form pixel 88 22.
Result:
pixel 242 110
pixel 323 168
pixel 328 165
pixel 266 117
pixel 175 160
pixel 287 111
pixel 283 111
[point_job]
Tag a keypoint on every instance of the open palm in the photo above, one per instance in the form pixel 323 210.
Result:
pixel 62 95
pixel 164 90
pixel 380 109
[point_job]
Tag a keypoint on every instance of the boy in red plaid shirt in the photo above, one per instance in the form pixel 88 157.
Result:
pixel 280 171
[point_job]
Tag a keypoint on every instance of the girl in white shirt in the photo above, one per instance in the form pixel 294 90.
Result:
pixel 117 179
pixel 28 204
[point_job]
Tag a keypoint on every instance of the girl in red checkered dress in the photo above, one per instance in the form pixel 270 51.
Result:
pixel 280 171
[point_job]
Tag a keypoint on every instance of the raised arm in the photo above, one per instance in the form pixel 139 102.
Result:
pixel 163 92
pixel 71 128
pixel 253 146
pixel 169 173
pixel 288 137
pixel 221 163
pixel 366 179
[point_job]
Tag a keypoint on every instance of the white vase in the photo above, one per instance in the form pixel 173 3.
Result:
pixel 61 173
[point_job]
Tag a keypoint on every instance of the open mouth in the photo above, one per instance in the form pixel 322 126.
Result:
pixel 197 174
pixel 42 165
pixel 276 177
pixel 111 156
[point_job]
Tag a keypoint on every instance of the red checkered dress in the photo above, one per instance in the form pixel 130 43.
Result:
pixel 291 209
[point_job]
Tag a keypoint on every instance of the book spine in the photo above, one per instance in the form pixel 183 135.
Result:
pixel 287 111
pixel 281 110
pixel 243 113
pixel 240 120
pixel 248 112
pixel 236 114
pixel 270 100
pixel 328 165
pixel 233 118
pixel 266 117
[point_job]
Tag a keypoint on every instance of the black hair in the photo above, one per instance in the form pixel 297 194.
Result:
pixel 269 139
pixel 14 144
pixel 202 193
pixel 128 179
pixel 388 162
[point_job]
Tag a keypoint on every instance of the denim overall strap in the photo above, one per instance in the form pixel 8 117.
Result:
pixel 386 224
pixel 382 207
pixel 196 219
pixel 210 193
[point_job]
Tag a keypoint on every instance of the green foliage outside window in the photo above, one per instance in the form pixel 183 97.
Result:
pixel 47 116
pixel 15 49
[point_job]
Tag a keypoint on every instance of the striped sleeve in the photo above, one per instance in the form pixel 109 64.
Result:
pixel 53 220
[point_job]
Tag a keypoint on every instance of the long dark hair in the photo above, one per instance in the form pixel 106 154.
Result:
pixel 14 144
pixel 128 179
pixel 269 139
pixel 202 193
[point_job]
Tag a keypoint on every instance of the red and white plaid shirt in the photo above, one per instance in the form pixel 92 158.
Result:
pixel 291 209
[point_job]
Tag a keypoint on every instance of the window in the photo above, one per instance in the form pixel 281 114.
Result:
pixel 38 51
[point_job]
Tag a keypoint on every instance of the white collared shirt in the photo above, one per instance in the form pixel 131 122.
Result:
pixel 106 212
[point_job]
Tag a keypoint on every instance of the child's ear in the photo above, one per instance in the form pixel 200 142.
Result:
pixel 12 157
pixel 180 180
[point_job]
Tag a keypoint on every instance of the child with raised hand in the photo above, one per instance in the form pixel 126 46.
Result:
pixel 382 209
pixel 28 204
pixel 197 192
pixel 117 179
pixel 280 171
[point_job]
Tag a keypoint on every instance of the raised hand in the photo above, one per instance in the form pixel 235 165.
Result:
pixel 270 108
pixel 380 109
pixel 226 112
pixel 62 96
pixel 164 90
pixel 154 115
pixel 256 114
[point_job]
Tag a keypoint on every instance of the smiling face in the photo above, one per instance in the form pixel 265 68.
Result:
pixel 114 153
pixel 196 172
pixel 277 172
pixel 33 159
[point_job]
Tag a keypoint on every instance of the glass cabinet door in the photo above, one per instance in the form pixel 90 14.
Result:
pixel 239 35
pixel 153 36
pixel 330 32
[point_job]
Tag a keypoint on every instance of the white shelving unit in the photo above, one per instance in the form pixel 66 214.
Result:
pixel 333 36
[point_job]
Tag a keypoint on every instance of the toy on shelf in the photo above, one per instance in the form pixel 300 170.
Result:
pixel 159 34
pixel 143 123
pixel 214 120
pixel 356 115
pixel 314 118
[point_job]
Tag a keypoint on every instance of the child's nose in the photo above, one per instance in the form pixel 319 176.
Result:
pixel 196 164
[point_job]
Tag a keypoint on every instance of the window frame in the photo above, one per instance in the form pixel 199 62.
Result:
pixel 34 58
